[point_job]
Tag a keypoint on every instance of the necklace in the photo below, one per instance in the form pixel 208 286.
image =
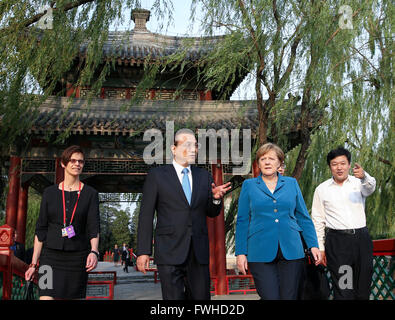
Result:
pixel 70 187
pixel 270 182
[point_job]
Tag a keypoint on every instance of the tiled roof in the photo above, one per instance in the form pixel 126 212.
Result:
pixel 103 116
pixel 135 46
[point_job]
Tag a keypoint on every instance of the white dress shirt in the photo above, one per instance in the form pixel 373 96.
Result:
pixel 180 175
pixel 341 206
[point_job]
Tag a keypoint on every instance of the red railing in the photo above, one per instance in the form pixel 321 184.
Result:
pixel 384 247
pixel 9 264
pixel 104 278
pixel 109 283
pixel 113 275
pixel 245 283
pixel 152 268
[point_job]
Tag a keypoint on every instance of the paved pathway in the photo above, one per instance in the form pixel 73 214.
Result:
pixel 137 286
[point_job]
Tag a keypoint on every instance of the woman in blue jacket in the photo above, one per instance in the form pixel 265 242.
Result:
pixel 272 217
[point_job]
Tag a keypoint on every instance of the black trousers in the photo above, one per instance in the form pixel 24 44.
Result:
pixel 127 263
pixel 279 279
pixel 350 262
pixel 187 281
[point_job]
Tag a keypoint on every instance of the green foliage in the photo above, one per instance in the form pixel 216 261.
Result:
pixel 341 78
pixel 120 227
pixel 33 62
pixel 135 221
pixel 33 211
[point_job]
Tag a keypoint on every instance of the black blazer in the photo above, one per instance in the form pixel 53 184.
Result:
pixel 177 221
pixel 86 221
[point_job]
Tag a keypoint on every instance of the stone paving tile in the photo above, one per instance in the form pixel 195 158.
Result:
pixel 137 286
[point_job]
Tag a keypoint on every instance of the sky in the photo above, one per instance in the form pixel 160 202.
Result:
pixel 179 25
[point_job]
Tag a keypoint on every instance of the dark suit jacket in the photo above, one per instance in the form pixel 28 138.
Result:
pixel 177 221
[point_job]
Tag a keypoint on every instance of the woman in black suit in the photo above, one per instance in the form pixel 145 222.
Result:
pixel 67 233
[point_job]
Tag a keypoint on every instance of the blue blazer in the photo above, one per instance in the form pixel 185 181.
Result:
pixel 266 220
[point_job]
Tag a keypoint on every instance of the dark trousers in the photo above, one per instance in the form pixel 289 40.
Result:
pixel 279 279
pixel 127 262
pixel 187 281
pixel 350 262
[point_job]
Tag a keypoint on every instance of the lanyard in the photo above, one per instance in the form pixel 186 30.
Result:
pixel 64 204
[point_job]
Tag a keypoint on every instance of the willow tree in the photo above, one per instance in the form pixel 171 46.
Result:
pixel 361 113
pixel 319 66
pixel 39 42
pixel 283 45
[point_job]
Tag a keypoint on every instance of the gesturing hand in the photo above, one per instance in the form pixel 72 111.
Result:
pixel 358 171
pixel 219 192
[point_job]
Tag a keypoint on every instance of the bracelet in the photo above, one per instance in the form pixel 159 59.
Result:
pixel 96 253
pixel 33 265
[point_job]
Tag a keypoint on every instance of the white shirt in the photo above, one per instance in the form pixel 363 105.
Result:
pixel 180 175
pixel 341 206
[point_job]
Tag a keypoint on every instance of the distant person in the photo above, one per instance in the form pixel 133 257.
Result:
pixel 272 217
pixel 18 248
pixel 126 258
pixel 281 169
pixel 116 254
pixel 338 213
pixel 122 255
pixel 67 233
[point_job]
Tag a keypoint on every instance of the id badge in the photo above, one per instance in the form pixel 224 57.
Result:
pixel 64 232
pixel 70 231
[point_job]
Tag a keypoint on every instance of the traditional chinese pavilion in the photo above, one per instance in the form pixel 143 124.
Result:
pixel 111 131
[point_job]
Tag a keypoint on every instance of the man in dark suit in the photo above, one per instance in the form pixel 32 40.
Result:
pixel 182 195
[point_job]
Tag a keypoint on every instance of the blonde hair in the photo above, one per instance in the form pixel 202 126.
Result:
pixel 270 147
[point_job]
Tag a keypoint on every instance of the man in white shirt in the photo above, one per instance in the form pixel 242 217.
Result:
pixel 338 214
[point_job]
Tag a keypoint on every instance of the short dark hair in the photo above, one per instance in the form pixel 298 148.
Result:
pixel 182 131
pixel 67 153
pixel 339 151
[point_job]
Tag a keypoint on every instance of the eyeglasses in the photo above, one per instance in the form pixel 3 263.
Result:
pixel 189 145
pixel 74 161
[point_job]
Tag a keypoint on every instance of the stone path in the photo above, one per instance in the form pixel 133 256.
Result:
pixel 137 286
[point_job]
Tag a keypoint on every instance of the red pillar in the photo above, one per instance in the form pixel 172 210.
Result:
pixel 13 191
pixel 206 95
pixel 6 240
pixel 59 171
pixel 22 213
pixel 211 237
pixel 219 225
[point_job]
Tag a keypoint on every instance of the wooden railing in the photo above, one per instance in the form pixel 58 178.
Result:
pixel 383 283
pixel 10 266
pixel 100 289
pixel 101 285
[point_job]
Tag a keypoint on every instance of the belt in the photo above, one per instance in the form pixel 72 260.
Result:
pixel 346 231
